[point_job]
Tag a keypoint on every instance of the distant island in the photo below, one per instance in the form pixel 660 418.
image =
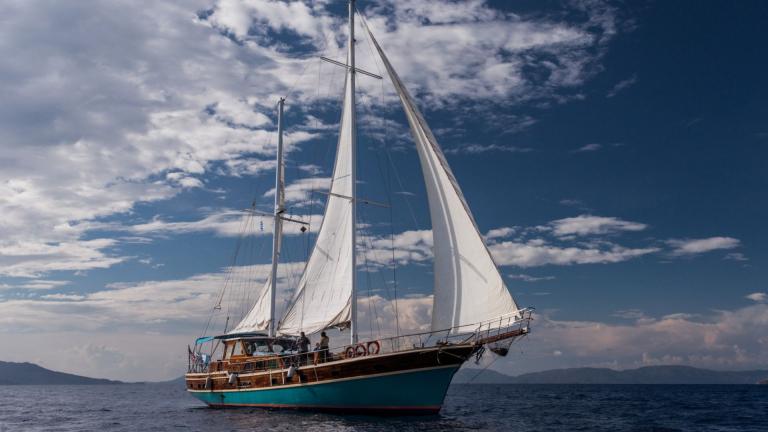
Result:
pixel 32 374
pixel 643 375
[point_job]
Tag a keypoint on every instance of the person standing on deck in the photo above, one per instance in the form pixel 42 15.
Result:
pixel 324 343
pixel 303 348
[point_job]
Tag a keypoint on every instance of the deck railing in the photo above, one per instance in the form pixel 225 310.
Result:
pixel 506 327
pixel 510 324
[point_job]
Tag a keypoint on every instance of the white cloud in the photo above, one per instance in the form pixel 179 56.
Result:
pixel 734 339
pixel 226 223
pixel 184 181
pixel 498 233
pixel 161 305
pixel 407 247
pixel 593 225
pixel 480 148
pixel 621 85
pixel 759 297
pixel 59 296
pixel 123 102
pixel 735 256
pixel 36 284
pixel 529 278
pixel 33 259
pixel 301 190
pixel 377 318
pixel 589 147
pixel 690 247
pixel 537 252
pixel 416 246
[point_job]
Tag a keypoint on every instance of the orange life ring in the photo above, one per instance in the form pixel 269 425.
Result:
pixel 349 352
pixel 376 345
pixel 360 350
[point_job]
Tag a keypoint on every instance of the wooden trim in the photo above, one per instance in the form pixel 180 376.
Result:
pixel 354 368
pixel 331 381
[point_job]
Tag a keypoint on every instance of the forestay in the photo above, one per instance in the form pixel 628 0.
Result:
pixel 323 295
pixel 468 286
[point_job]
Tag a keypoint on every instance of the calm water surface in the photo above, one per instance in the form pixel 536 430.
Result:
pixel 165 407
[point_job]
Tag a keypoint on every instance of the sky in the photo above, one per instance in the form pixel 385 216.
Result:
pixel 614 155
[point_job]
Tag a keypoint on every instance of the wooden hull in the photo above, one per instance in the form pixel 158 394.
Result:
pixel 409 382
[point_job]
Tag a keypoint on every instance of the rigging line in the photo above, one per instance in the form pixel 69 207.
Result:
pixel 322 52
pixel 376 63
pixel 388 188
pixel 227 275
pixel 388 184
pixel 252 271
pixel 370 248
pixel 402 188
pixel 484 369
pixel 372 310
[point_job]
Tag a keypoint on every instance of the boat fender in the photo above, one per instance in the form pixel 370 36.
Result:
pixel 349 352
pixel 232 379
pixel 373 347
pixel 291 371
pixel 360 350
pixel 208 382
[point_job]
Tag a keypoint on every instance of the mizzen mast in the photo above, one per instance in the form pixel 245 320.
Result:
pixel 278 221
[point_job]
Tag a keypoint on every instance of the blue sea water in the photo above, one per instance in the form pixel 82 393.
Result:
pixel 167 407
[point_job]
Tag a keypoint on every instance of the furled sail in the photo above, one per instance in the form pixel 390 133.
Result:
pixel 322 298
pixel 468 286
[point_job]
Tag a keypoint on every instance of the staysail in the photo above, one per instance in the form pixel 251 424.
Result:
pixel 323 296
pixel 468 286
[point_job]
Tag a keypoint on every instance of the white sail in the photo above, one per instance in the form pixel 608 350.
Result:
pixel 468 286
pixel 324 292
pixel 258 319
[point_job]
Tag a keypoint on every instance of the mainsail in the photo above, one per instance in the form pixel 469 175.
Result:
pixel 323 297
pixel 468 286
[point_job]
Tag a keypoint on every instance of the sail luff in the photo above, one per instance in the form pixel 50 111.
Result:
pixel 468 286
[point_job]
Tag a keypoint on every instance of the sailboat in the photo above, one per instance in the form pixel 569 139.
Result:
pixel 261 361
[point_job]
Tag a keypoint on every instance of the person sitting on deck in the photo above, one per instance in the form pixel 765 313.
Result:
pixel 324 346
pixel 303 347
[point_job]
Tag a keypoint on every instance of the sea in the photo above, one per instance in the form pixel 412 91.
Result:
pixel 167 407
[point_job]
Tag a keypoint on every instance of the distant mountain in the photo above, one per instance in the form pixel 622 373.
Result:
pixel 644 375
pixel 28 373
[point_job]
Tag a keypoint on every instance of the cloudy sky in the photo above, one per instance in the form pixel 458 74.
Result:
pixel 615 156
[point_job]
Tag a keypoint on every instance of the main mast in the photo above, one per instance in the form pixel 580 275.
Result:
pixel 279 209
pixel 353 139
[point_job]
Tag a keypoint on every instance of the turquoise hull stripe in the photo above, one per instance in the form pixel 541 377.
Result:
pixel 415 390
